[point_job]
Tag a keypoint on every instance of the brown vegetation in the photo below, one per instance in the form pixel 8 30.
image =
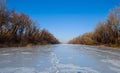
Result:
pixel 106 33
pixel 18 29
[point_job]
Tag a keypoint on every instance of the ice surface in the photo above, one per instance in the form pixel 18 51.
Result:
pixel 60 59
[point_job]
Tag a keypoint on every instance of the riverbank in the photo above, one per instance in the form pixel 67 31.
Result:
pixel 18 29
pixel 106 33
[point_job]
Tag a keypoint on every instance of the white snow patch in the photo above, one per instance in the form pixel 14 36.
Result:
pixel 6 54
pixel 63 68
pixel 117 70
pixel 70 68
pixel 104 51
pixel 67 68
pixel 17 70
pixel 113 62
pixel 26 53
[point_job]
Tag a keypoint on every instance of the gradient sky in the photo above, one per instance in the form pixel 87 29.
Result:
pixel 65 19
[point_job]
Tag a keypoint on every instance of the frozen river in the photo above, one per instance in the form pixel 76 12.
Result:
pixel 60 59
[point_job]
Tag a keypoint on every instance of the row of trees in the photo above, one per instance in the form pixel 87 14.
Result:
pixel 18 29
pixel 106 33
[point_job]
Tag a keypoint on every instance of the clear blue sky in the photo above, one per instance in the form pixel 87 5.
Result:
pixel 65 19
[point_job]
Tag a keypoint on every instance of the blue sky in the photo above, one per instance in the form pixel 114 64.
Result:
pixel 65 19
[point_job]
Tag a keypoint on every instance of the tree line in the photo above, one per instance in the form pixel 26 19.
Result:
pixel 18 29
pixel 106 33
